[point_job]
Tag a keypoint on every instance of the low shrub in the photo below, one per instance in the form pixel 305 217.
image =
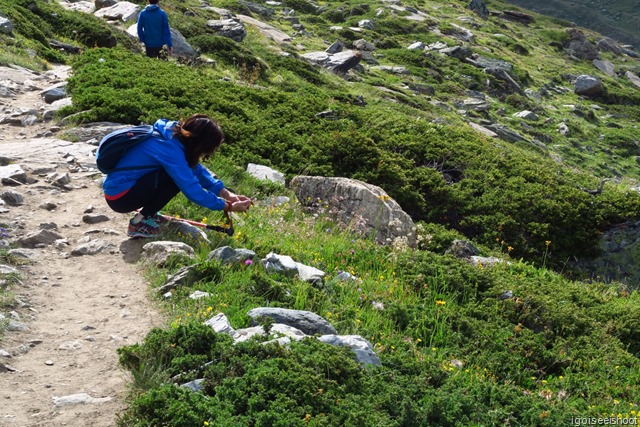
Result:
pixel 229 52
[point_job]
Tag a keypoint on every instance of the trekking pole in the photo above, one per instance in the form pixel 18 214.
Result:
pixel 227 228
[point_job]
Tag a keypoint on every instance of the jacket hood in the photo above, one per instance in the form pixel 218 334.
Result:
pixel 152 7
pixel 165 127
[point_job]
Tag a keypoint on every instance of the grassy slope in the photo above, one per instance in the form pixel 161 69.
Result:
pixel 617 19
pixel 558 348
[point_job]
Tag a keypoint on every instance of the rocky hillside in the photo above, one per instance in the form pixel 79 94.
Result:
pixel 617 19
pixel 496 158
pixel 399 96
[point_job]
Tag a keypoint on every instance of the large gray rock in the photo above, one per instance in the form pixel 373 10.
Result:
pixel 275 263
pixel 492 63
pixel 580 46
pixel 265 173
pixel 122 11
pixel 187 230
pixel 527 115
pixel 608 45
pixel 587 85
pixel 505 133
pixel 633 78
pixel 340 62
pixel 6 26
pixel 458 52
pixel 462 33
pixel 362 44
pixel 79 6
pixel 186 276
pixel 12 198
pixel 474 104
pixel 160 252
pixel 483 130
pixel 335 47
pixel 266 30
pixel 38 238
pixel 367 24
pixel 220 324
pixel 258 8
pixel 13 172
pixel 479 8
pixel 306 321
pixel 605 66
pixel 54 107
pixel 229 255
pixel 364 207
pixel 92 247
pixel 181 46
pixel 462 249
pixel 241 335
pixel 7 270
pixel 230 28
pixel 53 94
pixel 310 274
pixel 360 346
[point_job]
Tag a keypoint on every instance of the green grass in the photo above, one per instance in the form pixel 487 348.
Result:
pixel 453 353
pixel 462 356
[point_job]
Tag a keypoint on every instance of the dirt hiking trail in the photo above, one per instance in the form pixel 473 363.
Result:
pixel 81 296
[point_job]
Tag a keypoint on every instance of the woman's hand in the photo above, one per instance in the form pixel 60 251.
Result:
pixel 240 205
pixel 235 202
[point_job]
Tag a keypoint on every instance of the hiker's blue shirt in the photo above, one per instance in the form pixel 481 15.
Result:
pixel 196 183
pixel 153 27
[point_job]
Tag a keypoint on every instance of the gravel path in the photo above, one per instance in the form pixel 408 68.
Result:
pixel 80 298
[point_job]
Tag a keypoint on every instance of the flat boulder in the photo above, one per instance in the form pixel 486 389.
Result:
pixel 122 11
pixel 605 66
pixel 633 78
pixel 230 28
pixel 306 321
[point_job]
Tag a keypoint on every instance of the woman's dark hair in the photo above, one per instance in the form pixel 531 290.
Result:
pixel 200 136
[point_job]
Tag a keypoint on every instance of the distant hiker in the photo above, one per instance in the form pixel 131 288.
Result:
pixel 153 29
pixel 173 154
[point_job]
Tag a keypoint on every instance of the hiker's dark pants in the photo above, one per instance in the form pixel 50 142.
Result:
pixel 153 52
pixel 152 192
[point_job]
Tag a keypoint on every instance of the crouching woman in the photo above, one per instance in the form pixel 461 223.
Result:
pixel 154 171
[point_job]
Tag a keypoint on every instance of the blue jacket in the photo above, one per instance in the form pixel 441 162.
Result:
pixel 153 27
pixel 196 183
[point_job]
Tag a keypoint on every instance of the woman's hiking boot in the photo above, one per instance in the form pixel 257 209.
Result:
pixel 145 228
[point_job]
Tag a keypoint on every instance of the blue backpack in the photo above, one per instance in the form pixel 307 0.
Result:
pixel 116 144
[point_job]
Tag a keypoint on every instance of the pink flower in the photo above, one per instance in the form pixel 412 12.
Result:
pixel 248 262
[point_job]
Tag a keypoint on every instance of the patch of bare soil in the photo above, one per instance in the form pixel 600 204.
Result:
pixel 75 305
